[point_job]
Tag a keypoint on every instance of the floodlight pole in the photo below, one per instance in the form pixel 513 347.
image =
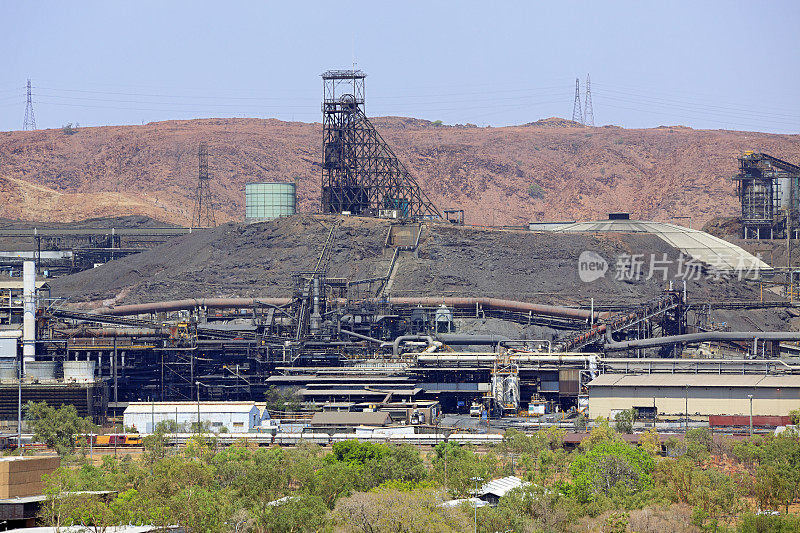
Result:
pixel 476 479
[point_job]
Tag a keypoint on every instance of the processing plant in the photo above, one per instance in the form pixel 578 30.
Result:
pixel 374 328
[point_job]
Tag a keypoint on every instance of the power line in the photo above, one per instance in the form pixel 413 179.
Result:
pixel 203 216
pixel 30 120
pixel 588 112
pixel 577 115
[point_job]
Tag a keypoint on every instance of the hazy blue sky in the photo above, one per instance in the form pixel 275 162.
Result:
pixel 731 65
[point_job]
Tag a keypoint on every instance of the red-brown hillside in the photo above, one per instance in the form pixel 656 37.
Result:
pixel 580 172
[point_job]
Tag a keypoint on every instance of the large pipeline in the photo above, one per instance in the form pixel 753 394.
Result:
pixel 193 303
pixel 755 336
pixel 113 332
pixel 427 301
pixel 497 303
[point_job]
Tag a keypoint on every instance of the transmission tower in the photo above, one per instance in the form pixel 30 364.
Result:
pixel 203 215
pixel 588 112
pixel 577 115
pixel 360 172
pixel 30 119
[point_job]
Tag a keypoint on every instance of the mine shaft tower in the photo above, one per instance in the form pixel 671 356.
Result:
pixel 769 191
pixel 360 172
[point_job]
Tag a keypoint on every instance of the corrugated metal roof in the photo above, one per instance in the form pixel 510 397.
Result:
pixel 190 407
pixel 700 245
pixel 499 487
pixel 695 380
pixel 346 418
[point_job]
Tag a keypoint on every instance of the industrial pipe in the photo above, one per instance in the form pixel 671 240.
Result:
pixel 396 343
pixel 179 305
pixel 705 336
pixel 113 332
pixel 498 303
pixel 429 301
pixel 360 336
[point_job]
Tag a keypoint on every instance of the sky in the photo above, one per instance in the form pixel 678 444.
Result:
pixel 703 64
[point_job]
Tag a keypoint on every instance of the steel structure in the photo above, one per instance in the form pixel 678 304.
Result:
pixel 30 118
pixel 577 114
pixel 588 110
pixel 360 172
pixel 768 191
pixel 203 215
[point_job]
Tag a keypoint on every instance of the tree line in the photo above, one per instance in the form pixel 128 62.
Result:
pixel 605 484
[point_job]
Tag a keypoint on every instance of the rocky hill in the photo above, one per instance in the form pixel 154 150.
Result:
pixel 548 170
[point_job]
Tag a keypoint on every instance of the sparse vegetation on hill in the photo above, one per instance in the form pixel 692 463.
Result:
pixel 655 173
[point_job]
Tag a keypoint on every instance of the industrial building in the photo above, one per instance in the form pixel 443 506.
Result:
pixel 235 417
pixel 694 394
pixel 769 195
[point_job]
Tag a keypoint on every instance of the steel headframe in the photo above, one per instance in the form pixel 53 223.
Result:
pixel 360 172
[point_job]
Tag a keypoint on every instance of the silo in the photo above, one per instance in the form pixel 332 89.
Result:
pixel 267 201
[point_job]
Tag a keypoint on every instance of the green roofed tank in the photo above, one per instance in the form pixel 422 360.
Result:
pixel 267 201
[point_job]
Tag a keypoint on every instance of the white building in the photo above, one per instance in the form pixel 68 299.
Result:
pixel 236 417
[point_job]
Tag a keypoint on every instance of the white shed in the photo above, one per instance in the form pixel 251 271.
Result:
pixel 236 417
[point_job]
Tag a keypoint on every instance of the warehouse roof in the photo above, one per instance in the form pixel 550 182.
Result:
pixel 347 418
pixel 695 380
pixel 189 407
pixel 697 244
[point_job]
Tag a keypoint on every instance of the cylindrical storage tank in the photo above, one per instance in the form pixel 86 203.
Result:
pixel 8 370
pixel 79 371
pixel 40 370
pixel 267 201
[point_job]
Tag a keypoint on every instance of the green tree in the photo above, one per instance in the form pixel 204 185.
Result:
pixel 650 442
pixel 623 421
pixel 609 464
pixel 303 513
pixel 57 427
pixel 715 497
pixel 407 512
pixel 284 399
pixel 463 464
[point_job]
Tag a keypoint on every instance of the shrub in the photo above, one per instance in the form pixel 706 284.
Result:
pixel 535 191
